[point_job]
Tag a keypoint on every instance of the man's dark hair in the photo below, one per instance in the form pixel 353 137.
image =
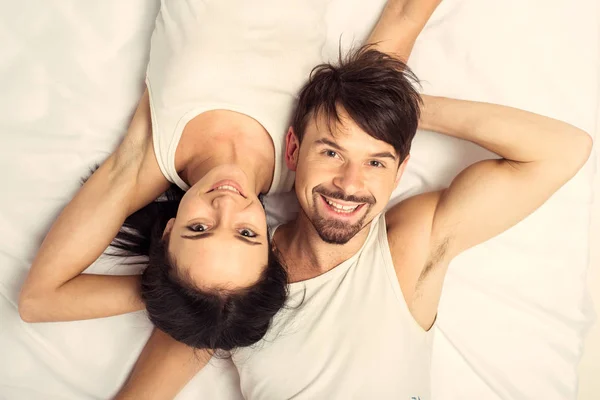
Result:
pixel 201 318
pixel 375 89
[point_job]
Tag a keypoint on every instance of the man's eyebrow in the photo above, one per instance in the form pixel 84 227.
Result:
pixel 198 236
pixel 329 143
pixel 384 154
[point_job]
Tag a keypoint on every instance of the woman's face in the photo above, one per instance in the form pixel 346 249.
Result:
pixel 219 237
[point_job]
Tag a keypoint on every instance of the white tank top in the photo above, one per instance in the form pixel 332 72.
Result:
pixel 346 334
pixel 250 57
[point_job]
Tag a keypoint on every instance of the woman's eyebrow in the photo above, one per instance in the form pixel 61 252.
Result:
pixel 209 234
pixel 198 236
pixel 247 241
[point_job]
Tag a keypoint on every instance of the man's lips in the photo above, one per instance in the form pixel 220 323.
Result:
pixel 340 208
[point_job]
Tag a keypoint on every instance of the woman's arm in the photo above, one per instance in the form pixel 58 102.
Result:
pixel 400 24
pixel 56 289
pixel 163 369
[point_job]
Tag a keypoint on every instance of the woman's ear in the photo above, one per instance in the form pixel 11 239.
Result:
pixel 168 228
pixel 292 148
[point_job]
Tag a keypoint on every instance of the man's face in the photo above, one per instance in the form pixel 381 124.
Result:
pixel 344 177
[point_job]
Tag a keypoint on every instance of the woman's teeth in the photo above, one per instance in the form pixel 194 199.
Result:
pixel 340 208
pixel 228 187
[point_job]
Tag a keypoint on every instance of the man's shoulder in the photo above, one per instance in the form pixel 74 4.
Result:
pixel 409 227
pixel 412 215
pixel 410 234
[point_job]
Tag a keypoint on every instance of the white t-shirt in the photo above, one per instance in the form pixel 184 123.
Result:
pixel 346 334
pixel 250 57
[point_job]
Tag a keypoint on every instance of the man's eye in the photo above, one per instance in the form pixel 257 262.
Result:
pixel 247 233
pixel 198 228
pixel 376 164
pixel 330 153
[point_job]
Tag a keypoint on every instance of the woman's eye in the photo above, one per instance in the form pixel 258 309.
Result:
pixel 247 233
pixel 376 164
pixel 198 228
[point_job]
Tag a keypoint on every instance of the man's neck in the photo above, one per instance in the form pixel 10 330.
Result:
pixel 306 255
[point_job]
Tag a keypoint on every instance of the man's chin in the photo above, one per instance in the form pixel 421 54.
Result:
pixel 336 235
pixel 335 239
pixel 336 229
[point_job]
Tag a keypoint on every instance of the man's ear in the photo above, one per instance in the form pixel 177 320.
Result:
pixel 168 228
pixel 401 168
pixel 292 148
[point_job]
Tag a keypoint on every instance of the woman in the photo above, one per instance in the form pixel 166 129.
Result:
pixel 221 82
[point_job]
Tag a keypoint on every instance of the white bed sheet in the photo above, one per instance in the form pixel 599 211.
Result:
pixel 514 310
pixel 589 368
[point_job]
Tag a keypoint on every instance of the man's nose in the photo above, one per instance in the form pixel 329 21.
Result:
pixel 349 179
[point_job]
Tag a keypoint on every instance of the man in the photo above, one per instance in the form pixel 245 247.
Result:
pixel 365 285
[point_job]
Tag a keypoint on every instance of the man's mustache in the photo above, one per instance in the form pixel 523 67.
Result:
pixel 338 195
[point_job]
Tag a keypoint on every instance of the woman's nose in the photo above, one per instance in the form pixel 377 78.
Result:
pixel 224 201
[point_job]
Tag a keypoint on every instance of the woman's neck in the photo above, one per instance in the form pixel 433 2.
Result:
pixel 225 137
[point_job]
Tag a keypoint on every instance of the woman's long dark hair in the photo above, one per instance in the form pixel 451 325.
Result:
pixel 200 318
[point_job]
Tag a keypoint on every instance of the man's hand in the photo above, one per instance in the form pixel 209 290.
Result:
pixel 400 24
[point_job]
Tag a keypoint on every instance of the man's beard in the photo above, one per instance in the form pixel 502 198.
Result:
pixel 334 231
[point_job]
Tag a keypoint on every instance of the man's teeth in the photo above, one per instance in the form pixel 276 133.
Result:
pixel 341 208
pixel 228 187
